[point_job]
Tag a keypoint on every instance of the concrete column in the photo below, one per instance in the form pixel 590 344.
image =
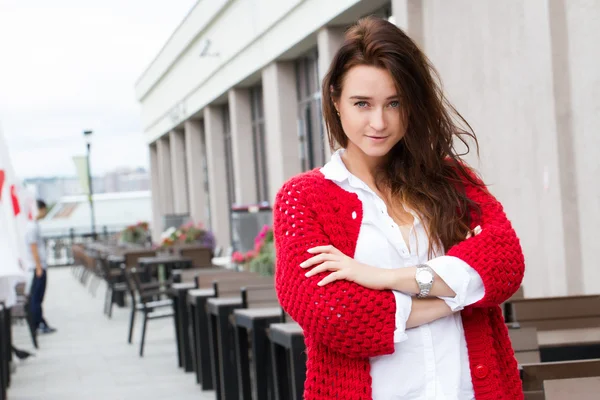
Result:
pixel 156 224
pixel 281 113
pixel 217 175
pixel 164 175
pixel 195 153
pixel 179 173
pixel 244 168
pixel 329 40
pixel 561 79
pixel 408 15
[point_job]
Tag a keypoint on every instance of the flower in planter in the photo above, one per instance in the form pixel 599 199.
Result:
pixel 188 233
pixel 135 234
pixel 263 260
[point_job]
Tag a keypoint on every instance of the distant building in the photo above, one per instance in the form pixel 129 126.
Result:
pixel 113 211
pixel 120 180
pixel 126 180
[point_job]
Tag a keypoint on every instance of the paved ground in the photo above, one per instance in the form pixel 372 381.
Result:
pixel 89 358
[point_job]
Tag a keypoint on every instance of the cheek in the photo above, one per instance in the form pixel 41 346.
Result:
pixel 353 123
pixel 398 126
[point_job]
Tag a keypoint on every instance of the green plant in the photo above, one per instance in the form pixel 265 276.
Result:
pixel 263 257
pixel 135 234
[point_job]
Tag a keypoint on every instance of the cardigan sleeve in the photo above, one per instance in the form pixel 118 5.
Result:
pixel 346 317
pixel 495 253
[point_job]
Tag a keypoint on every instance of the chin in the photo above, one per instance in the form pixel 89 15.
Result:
pixel 376 151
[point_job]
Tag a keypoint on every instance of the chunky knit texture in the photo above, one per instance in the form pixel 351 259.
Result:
pixel 344 323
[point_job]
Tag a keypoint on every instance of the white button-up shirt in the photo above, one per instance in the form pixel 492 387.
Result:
pixel 430 362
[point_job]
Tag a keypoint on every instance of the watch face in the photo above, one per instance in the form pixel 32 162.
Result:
pixel 424 277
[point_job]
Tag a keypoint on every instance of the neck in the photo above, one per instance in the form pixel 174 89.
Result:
pixel 361 165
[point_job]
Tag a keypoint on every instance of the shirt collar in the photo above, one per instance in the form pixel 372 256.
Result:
pixel 336 170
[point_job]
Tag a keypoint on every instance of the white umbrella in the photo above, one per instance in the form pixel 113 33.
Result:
pixel 12 229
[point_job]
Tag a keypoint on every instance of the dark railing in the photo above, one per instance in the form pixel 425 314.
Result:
pixel 58 244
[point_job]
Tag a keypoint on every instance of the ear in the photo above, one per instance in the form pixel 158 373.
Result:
pixel 333 99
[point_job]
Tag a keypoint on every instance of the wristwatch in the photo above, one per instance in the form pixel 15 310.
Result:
pixel 424 278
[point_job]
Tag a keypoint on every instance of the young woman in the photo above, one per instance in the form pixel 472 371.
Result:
pixel 394 257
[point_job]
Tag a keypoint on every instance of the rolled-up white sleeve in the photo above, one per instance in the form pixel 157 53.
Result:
pixel 403 310
pixel 461 278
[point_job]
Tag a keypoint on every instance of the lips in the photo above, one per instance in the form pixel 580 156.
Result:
pixel 377 137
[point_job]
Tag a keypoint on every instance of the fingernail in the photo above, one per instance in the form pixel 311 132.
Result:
pixel 302 264
pixel 310 250
pixel 307 274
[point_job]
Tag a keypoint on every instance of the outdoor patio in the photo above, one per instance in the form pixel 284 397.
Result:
pixel 89 358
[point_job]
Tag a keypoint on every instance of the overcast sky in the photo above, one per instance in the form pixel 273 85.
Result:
pixel 71 65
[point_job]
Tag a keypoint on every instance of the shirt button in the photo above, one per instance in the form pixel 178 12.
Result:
pixel 481 371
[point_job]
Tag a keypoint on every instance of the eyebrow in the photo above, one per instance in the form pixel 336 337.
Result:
pixel 370 98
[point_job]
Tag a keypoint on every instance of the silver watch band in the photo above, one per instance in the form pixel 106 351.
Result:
pixel 424 286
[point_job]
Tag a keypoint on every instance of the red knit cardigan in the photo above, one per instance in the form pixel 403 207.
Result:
pixel 344 323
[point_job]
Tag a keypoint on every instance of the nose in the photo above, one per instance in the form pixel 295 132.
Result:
pixel 378 120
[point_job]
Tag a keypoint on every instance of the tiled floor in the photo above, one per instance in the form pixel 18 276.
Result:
pixel 88 358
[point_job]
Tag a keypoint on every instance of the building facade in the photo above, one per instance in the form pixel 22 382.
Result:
pixel 231 109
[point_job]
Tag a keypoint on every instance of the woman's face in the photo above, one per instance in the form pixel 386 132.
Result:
pixel 369 108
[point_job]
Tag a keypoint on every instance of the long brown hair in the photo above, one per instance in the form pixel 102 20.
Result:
pixel 423 171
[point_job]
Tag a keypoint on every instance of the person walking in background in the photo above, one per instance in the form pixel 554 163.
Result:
pixel 36 265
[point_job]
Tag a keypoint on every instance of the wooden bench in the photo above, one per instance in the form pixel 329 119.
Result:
pixel 558 312
pixel 566 326
pixel 201 256
pixel 260 308
pixel 185 280
pixel 221 332
pixel 575 388
pixel 288 359
pixel 534 375
pixel 525 345
pixel 507 306
pixel 198 319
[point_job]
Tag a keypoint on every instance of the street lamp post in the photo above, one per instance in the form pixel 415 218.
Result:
pixel 88 138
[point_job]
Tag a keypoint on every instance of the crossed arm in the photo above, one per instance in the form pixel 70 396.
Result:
pixel 359 321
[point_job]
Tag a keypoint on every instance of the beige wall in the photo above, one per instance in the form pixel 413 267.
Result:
pixel 582 20
pixel 217 176
pixel 163 147
pixel 329 40
pixel 281 110
pixel 194 150
pixel 156 226
pixel 242 146
pixel 516 77
pixel 179 173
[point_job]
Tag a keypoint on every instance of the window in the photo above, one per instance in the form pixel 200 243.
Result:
pixel 206 185
pixel 228 156
pixel 259 142
pixel 311 133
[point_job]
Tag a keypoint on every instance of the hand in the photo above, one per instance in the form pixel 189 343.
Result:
pixel 328 258
pixel 39 272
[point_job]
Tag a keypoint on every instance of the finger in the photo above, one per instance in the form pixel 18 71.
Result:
pixel 326 266
pixel 325 249
pixel 319 259
pixel 332 277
